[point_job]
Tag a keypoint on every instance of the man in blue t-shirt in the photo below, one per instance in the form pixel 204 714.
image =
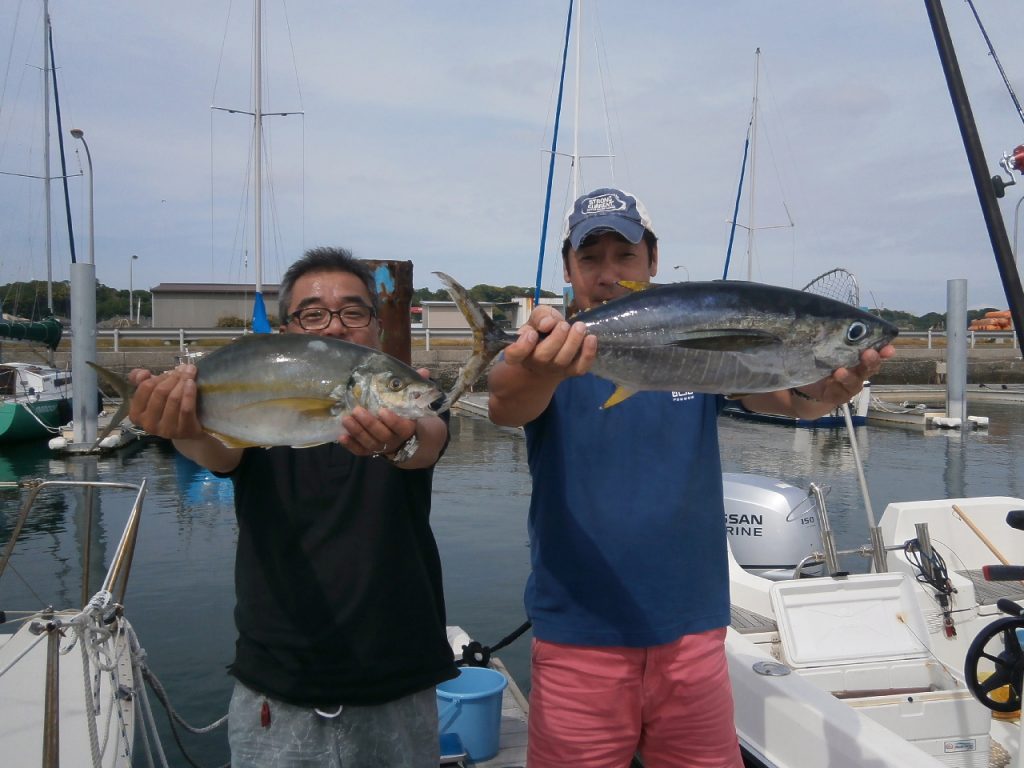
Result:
pixel 629 592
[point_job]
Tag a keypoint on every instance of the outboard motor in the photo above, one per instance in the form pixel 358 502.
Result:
pixel 772 525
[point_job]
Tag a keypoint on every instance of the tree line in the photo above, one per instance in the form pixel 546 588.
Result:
pixel 28 300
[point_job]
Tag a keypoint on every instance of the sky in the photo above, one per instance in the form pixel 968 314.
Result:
pixel 421 131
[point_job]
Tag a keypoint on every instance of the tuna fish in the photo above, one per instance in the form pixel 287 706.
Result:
pixel 724 337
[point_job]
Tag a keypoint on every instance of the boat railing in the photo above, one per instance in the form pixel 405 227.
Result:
pixel 116 580
pixel 875 550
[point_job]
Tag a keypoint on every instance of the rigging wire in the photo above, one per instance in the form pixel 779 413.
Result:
pixel 601 56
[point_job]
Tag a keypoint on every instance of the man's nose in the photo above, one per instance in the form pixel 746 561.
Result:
pixel 335 327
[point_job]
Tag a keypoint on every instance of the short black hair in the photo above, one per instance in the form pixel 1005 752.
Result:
pixel 325 259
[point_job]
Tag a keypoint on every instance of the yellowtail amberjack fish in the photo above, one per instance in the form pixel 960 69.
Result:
pixel 294 389
pixel 725 337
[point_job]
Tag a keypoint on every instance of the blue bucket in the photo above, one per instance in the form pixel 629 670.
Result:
pixel 470 705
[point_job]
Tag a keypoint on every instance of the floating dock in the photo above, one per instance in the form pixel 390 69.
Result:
pixel 512 736
pixel 64 443
pixel 925 405
pixel 472 404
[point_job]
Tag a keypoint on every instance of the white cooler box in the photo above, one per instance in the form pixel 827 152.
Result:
pixel 863 639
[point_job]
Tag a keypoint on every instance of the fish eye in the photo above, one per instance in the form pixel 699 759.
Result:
pixel 856 331
pixel 395 384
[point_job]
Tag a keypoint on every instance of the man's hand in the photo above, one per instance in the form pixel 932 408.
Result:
pixel 565 350
pixel 165 405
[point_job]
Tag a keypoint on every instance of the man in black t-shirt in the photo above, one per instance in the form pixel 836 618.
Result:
pixel 340 612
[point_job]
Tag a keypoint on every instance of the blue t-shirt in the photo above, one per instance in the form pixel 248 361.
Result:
pixel 627 534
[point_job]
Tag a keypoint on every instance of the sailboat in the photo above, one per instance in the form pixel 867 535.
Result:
pixel 35 399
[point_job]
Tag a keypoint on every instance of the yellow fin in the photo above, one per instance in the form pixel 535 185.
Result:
pixel 620 394
pixel 635 285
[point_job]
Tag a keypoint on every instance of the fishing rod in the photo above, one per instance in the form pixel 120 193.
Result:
pixel 985 186
pixel 995 58
pixel 1011 161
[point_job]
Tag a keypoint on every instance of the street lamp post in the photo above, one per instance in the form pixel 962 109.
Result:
pixel 131 293
pixel 79 134
pixel 83 329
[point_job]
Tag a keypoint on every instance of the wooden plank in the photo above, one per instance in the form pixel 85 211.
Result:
pixel 746 622
pixel 513 734
pixel 988 592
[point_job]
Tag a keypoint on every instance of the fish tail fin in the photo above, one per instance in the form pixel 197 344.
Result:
pixel 124 389
pixel 488 339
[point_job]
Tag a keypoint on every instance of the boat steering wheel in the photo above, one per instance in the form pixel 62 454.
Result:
pixel 1009 665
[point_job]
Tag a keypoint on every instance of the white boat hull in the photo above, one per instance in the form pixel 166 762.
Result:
pixel 874 676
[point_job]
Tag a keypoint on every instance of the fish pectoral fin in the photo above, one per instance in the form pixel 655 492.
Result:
pixel 620 394
pixel 231 442
pixel 726 339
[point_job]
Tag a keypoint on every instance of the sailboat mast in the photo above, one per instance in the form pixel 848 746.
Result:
pixel 257 70
pixel 551 158
pixel 46 154
pixel 576 116
pixel 753 166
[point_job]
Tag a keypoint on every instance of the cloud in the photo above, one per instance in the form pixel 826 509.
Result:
pixel 426 125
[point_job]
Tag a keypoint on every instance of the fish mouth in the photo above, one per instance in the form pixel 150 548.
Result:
pixel 891 333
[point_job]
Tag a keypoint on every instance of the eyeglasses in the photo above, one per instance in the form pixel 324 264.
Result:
pixel 318 318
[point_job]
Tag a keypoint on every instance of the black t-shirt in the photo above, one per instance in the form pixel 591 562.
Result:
pixel 337 578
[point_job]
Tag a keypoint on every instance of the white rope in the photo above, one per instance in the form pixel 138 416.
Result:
pixel 93 710
pixel 42 423
pixel 148 723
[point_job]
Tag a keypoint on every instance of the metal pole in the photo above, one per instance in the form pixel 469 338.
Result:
pixel 131 291
pixel 979 170
pixel 83 326
pixel 51 702
pixel 956 350
pixel 46 156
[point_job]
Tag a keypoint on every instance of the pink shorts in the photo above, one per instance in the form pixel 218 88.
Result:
pixel 593 707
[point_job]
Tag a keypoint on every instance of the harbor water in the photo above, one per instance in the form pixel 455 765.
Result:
pixel 180 596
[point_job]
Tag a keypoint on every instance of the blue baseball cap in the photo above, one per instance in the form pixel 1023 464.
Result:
pixel 607 209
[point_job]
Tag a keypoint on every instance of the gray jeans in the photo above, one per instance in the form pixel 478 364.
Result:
pixel 399 734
